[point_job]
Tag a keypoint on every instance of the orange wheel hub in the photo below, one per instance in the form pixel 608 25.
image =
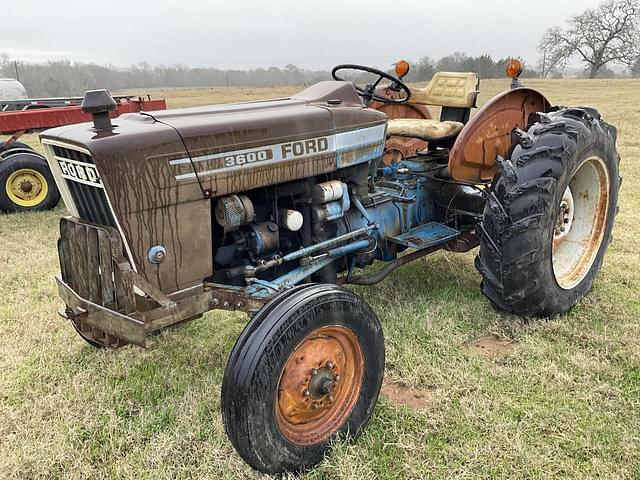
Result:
pixel 319 385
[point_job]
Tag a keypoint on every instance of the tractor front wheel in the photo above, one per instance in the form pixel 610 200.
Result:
pixel 308 368
pixel 549 215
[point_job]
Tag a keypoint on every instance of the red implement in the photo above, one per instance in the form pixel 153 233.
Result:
pixel 43 118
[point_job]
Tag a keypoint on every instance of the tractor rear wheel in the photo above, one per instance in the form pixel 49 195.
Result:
pixel 26 183
pixel 549 215
pixel 307 368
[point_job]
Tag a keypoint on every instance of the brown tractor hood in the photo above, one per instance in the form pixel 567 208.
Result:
pixel 165 165
pixel 189 149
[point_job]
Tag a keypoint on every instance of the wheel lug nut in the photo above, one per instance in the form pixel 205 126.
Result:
pixel 314 406
pixel 314 372
pixel 306 392
pixel 337 377
pixel 331 398
pixel 330 365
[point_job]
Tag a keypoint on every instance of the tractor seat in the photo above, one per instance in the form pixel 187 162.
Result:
pixel 456 93
pixel 427 130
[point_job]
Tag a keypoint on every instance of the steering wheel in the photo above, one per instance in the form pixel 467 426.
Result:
pixel 368 93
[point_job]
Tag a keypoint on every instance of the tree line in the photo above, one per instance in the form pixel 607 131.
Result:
pixel 66 78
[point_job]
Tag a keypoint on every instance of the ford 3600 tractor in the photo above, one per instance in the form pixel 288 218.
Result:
pixel 272 207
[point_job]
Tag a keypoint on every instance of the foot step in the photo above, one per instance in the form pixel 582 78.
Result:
pixel 426 236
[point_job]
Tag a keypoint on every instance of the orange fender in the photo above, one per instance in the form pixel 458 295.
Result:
pixel 488 134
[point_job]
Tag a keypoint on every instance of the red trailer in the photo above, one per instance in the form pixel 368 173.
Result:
pixel 26 184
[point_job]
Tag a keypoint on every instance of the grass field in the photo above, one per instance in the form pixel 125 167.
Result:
pixel 470 393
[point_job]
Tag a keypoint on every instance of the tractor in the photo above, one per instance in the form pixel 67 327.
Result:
pixel 273 207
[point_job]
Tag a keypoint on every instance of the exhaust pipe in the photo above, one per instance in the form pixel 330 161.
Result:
pixel 99 103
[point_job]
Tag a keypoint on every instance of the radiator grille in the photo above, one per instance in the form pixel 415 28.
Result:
pixel 86 259
pixel 90 201
pixel 72 154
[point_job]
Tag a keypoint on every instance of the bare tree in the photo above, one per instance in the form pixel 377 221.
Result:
pixel 607 34
pixel 635 69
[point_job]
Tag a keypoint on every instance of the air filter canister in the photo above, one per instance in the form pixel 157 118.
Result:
pixel 234 211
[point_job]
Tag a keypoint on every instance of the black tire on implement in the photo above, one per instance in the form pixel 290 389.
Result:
pixel 521 216
pixel 17 157
pixel 5 147
pixel 256 375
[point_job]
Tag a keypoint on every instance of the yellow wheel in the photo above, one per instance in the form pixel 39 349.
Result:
pixel 27 187
pixel 26 183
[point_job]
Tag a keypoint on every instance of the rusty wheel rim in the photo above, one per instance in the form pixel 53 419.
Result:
pixel 581 223
pixel 319 385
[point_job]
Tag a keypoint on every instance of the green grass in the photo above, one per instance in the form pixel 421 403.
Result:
pixel 563 402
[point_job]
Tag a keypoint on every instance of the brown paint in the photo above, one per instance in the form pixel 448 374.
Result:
pixel 101 303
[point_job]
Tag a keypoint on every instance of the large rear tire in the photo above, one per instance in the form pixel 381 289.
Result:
pixel 549 215
pixel 306 369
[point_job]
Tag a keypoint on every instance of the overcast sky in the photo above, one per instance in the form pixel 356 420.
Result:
pixel 252 33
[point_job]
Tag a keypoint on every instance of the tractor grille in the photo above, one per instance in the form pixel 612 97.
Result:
pixel 90 201
pixel 87 255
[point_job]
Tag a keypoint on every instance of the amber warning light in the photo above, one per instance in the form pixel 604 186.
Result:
pixel 514 69
pixel 402 68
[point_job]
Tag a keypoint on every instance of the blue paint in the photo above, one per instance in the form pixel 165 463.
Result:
pixel 426 236
pixel 263 289
pixel 349 249
pixel 307 251
pixel 157 254
pixel 334 211
pixel 397 215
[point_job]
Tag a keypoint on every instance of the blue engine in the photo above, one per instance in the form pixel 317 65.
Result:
pixel 313 230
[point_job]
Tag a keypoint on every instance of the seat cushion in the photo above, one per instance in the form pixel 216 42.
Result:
pixel 429 130
pixel 448 89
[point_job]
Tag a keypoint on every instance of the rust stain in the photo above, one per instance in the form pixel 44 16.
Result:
pixel 400 148
pixel 319 386
pixel 600 218
pixel 488 134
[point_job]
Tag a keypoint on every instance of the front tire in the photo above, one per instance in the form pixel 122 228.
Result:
pixel 550 213
pixel 307 369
